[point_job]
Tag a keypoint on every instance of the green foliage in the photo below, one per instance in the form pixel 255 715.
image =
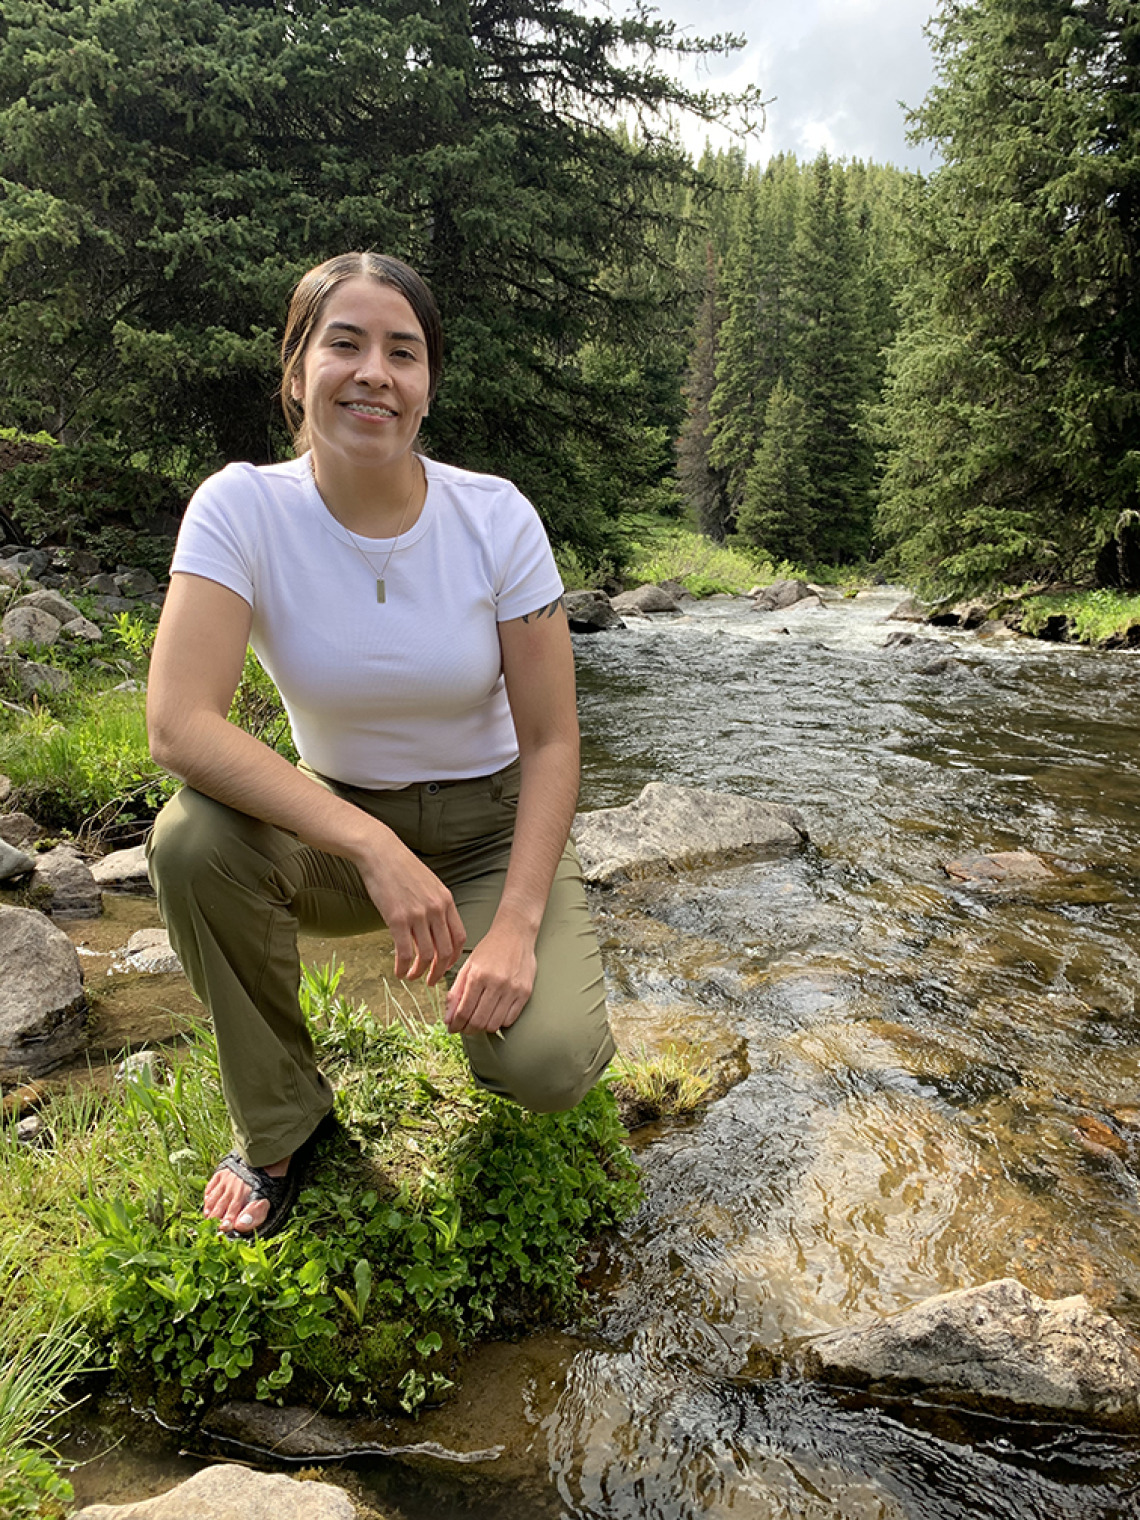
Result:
pixel 777 513
pixel 89 496
pixel 702 566
pixel 38 1360
pixel 1011 423
pixel 438 1213
pixel 169 172
pixel 1092 617
pixel 670 1084
pixel 257 707
pixel 93 772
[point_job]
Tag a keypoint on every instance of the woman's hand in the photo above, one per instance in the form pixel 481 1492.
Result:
pixel 494 983
pixel 418 909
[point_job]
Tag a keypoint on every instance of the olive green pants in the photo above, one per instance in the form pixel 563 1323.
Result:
pixel 234 892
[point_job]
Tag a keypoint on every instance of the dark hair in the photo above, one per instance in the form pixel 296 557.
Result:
pixel 309 299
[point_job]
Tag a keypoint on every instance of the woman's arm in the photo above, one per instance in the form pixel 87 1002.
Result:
pixel 198 655
pixel 493 985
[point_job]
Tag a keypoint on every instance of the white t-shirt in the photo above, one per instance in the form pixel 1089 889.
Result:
pixel 378 694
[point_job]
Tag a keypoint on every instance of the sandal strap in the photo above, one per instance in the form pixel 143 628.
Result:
pixel 262 1186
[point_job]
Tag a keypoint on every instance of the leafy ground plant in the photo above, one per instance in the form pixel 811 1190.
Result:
pixel 38 1361
pixel 437 1214
pixel 1092 617
pixel 700 565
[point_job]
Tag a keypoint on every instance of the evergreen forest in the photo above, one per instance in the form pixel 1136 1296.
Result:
pixel 823 363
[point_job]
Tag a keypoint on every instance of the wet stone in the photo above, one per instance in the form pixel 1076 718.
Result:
pixel 124 871
pixel 75 892
pixel 234 1493
pixel 150 950
pixel 1004 865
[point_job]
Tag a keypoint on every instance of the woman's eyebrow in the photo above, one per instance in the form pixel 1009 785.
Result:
pixel 351 327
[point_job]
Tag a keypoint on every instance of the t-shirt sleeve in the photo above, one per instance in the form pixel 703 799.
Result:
pixel 211 541
pixel 526 576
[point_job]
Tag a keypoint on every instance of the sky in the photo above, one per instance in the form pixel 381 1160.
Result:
pixel 834 70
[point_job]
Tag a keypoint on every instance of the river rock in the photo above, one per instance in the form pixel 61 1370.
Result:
pixel 82 628
pixel 909 611
pixel 42 1007
pixel 123 871
pixel 295 1431
pixel 1003 865
pixel 14 862
pixel 75 892
pixel 53 604
pixel 150 950
pixel 234 1493
pixel 591 612
pixel 996 1346
pixel 30 625
pixel 19 829
pixel 34 679
pixel 28 561
pixel 102 584
pixel 670 827
pixel 781 594
pixel 647 598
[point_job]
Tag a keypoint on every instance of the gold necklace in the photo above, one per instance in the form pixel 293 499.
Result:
pixel 381 589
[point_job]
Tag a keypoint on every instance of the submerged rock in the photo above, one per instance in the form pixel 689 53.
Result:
pixel 1003 865
pixel 234 1493
pixel 676 826
pixel 297 1432
pixel 42 1007
pixel 151 950
pixel 996 1346
pixel 909 610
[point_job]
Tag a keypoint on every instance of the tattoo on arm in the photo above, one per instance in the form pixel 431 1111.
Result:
pixel 548 611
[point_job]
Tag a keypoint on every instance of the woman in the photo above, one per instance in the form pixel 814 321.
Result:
pixel 410 614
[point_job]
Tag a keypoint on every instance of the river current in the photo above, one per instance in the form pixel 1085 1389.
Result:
pixel 941 1080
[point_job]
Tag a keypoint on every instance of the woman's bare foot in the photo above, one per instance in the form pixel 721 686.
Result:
pixel 227 1196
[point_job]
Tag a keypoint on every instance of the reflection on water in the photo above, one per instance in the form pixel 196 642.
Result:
pixel 941 1088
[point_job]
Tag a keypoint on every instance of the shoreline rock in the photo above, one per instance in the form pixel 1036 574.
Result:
pixel 672 827
pixel 996 1347
pixel 43 1010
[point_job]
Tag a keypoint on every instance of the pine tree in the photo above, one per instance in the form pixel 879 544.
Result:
pixel 754 338
pixel 777 513
pixel 830 365
pixel 168 171
pixel 704 487
pixel 1012 415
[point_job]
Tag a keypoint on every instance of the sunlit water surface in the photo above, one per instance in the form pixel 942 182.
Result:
pixel 941 1088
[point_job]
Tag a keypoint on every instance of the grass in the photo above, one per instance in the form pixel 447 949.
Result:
pixel 671 553
pixel 436 1215
pixel 39 1359
pixel 1093 617
pixel 667 1085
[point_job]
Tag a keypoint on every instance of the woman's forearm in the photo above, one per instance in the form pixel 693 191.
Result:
pixel 548 796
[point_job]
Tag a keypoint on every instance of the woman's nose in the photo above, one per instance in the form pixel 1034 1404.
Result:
pixel 372 369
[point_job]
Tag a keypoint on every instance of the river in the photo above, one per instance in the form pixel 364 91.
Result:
pixel 941 1080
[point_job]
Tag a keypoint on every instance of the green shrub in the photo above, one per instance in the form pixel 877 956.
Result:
pixel 86 495
pixel 702 566
pixel 1093 617
pixel 436 1212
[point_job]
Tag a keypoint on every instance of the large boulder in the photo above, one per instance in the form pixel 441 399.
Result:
pixel 648 598
pixel 591 612
pixel 997 1346
pixel 668 827
pixel 42 1007
pixel 234 1493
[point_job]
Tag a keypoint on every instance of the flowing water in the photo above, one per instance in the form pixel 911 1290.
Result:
pixel 941 1081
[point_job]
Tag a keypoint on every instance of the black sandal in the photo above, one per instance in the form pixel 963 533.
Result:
pixel 281 1193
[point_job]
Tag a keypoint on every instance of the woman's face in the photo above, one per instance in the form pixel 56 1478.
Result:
pixel 364 381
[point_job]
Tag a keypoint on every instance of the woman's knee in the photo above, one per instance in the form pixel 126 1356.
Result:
pixel 193 838
pixel 542 1080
